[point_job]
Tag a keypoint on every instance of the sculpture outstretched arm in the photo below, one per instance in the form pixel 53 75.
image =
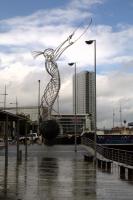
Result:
pixel 59 50
pixel 64 45
pixel 67 40
pixel 67 43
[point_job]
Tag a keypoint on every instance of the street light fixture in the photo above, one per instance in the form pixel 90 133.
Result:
pixel 75 108
pixel 89 42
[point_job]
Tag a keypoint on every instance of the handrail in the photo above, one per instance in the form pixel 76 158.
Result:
pixel 121 156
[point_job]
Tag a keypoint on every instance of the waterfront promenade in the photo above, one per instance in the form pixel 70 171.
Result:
pixel 58 173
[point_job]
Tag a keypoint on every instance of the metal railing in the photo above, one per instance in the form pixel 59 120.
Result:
pixel 121 156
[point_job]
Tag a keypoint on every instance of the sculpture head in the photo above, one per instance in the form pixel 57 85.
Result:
pixel 48 54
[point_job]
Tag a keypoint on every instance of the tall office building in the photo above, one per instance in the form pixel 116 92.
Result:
pixel 85 94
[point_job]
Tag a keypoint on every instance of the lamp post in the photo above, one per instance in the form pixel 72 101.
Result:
pixel 89 42
pixel 38 107
pixel 75 106
pixel 16 103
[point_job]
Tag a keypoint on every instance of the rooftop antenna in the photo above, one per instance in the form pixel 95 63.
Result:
pixel 113 118
pixel 120 116
pixel 58 106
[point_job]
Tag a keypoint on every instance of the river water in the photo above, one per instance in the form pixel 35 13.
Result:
pixel 58 173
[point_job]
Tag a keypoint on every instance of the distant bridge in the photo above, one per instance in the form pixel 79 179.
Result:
pixel 32 111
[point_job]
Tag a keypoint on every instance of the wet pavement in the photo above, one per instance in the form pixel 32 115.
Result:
pixel 58 173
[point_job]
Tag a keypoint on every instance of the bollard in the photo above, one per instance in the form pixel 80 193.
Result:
pixel 122 172
pixel 103 164
pixel 130 174
pixel 91 158
pixel 99 163
pixel 88 158
pixel 109 165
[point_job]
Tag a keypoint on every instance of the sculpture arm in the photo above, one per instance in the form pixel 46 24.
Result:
pixel 61 48
pixel 67 43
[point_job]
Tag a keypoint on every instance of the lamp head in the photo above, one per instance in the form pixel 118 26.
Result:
pixel 89 42
pixel 72 63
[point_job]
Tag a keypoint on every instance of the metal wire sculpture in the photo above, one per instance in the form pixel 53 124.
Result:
pixel 52 89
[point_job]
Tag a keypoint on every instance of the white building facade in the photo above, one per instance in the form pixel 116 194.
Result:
pixel 85 94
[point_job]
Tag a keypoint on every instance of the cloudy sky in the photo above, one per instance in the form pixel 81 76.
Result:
pixel 27 26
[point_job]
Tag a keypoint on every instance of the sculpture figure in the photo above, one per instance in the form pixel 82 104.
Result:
pixel 52 89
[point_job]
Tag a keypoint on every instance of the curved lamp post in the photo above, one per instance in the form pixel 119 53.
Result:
pixel 89 42
pixel 75 106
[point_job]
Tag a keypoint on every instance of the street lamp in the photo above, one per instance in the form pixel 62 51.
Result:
pixel 38 107
pixel 89 42
pixel 75 108
pixel 16 103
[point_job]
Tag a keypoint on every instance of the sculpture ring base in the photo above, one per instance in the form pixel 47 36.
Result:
pixel 49 130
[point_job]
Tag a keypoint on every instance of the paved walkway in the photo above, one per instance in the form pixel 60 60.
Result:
pixel 58 173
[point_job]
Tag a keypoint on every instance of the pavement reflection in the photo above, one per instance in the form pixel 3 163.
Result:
pixel 56 173
pixel 48 173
